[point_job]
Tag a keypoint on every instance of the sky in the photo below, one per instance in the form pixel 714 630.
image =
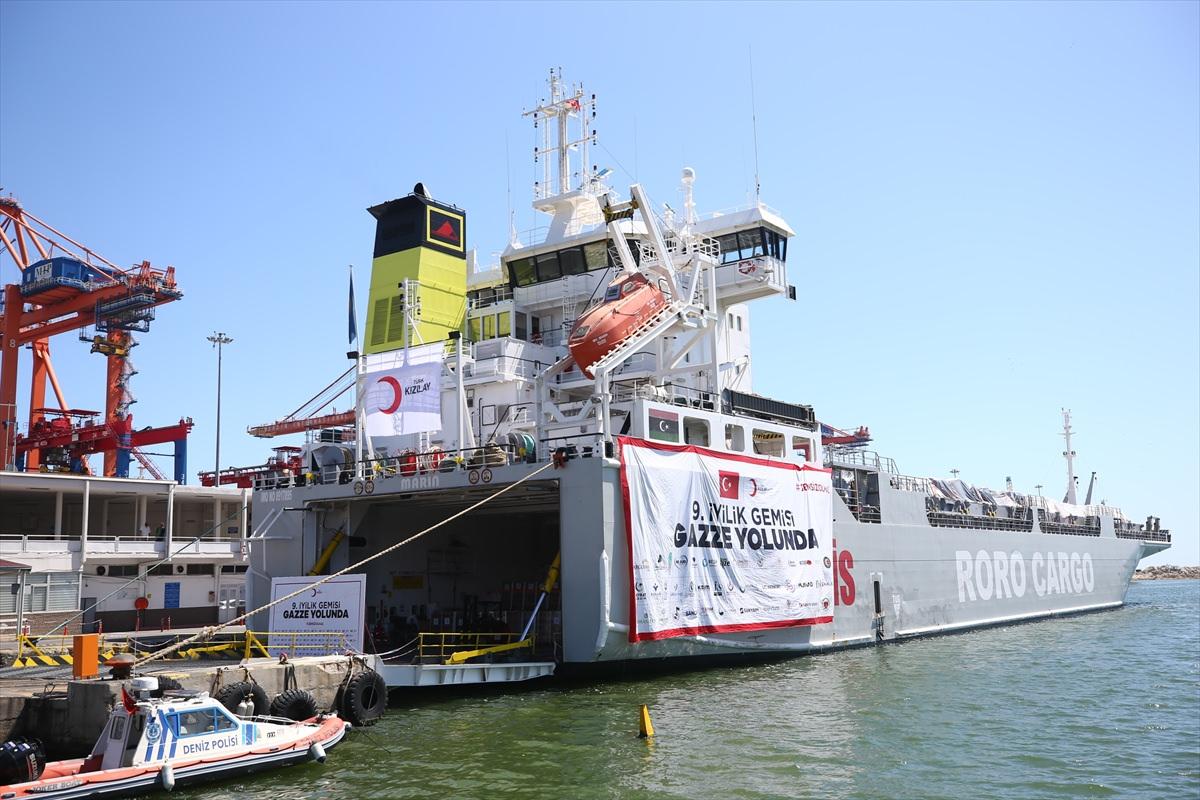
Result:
pixel 996 205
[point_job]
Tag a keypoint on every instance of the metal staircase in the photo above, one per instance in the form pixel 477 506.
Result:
pixel 650 329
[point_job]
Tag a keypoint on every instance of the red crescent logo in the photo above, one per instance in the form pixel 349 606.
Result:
pixel 398 393
pixel 725 483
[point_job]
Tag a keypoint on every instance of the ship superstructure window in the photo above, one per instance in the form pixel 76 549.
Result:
pixel 768 443
pixel 749 244
pixel 576 260
pixel 802 447
pixel 735 438
pixel 695 431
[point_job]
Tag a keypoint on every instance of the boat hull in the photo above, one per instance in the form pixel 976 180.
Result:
pixel 124 782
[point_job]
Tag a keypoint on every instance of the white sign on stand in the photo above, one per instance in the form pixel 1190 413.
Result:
pixel 324 620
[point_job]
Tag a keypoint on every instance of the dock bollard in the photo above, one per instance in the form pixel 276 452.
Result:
pixel 645 726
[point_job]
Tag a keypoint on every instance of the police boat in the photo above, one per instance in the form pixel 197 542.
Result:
pixel 160 740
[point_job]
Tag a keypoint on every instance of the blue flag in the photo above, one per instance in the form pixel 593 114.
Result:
pixel 353 320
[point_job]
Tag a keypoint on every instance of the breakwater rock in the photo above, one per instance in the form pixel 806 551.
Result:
pixel 1167 572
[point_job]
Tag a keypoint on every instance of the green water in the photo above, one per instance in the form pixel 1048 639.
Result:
pixel 1102 705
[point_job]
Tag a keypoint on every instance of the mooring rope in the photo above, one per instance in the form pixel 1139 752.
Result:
pixel 208 633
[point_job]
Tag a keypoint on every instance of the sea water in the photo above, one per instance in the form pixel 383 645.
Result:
pixel 1098 705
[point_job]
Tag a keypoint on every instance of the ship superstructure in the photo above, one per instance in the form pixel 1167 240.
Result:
pixel 618 347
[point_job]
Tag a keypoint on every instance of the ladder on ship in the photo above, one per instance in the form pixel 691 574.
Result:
pixel 650 329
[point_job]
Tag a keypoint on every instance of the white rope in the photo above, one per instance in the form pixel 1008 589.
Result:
pixel 208 633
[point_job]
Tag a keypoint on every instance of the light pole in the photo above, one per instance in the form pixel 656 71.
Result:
pixel 218 340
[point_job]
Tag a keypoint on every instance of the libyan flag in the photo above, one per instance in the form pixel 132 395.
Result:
pixel 664 425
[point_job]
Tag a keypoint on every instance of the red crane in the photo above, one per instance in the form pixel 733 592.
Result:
pixel 65 286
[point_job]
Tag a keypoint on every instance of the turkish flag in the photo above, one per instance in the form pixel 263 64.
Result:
pixel 127 701
pixel 728 484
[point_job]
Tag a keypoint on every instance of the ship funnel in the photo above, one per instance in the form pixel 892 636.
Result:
pixel 419 272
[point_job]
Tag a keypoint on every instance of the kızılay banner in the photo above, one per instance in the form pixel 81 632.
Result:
pixel 325 620
pixel 720 542
pixel 402 392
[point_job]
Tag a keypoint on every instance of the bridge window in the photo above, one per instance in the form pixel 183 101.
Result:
pixel 572 261
pixel 522 272
pixel 595 254
pixel 547 267
pixel 751 242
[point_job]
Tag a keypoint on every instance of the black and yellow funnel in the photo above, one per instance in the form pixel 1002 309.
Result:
pixel 417 239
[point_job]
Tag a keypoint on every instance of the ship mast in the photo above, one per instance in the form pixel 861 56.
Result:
pixel 1069 455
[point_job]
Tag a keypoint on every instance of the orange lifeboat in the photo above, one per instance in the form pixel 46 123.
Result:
pixel 628 302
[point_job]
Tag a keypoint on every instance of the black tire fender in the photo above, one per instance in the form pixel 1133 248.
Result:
pixel 295 704
pixel 364 699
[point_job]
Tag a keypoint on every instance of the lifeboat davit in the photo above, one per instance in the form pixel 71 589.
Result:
pixel 628 302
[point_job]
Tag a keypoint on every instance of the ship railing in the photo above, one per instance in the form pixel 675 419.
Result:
pixel 958 519
pixel 579 445
pixel 847 457
pixel 439 647
pixel 1144 535
pixel 911 483
pixel 862 511
pixel 1071 529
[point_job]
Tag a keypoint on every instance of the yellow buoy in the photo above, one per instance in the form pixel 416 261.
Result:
pixel 645 726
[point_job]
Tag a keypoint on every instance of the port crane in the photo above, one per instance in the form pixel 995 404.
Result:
pixel 65 286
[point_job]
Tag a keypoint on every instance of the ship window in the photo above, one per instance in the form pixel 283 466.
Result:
pixel 802 447
pixel 729 248
pixel 731 320
pixel 572 261
pixel 522 331
pixel 768 443
pixel 224 721
pixel 192 723
pixel 118 728
pixel 612 293
pixel 595 254
pixel 503 324
pixel 489 327
pixel 695 431
pixel 735 438
pixel 628 287
pixel 473 329
pixel 521 272
pixel 751 243
pixel 579 333
pixel 547 267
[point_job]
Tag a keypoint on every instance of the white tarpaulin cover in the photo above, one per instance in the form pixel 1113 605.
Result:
pixel 720 542
pixel 403 394
pixel 327 619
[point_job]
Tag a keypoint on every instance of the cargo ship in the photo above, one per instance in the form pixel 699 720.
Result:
pixel 589 402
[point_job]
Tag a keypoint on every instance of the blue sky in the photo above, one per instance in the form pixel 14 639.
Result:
pixel 996 205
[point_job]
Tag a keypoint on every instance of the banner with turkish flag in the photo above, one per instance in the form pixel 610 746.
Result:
pixel 722 542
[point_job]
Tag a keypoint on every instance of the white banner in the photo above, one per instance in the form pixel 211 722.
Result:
pixel 403 394
pixel 720 542
pixel 326 620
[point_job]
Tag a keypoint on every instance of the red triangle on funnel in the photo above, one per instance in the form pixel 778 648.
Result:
pixel 446 231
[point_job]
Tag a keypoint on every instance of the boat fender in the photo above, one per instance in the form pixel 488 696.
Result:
pixel 364 699
pixel 295 704
pixel 166 776
pixel 316 752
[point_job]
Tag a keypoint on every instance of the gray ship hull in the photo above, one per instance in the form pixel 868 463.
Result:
pixel 895 579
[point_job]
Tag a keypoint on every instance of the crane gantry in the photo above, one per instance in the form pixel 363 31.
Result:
pixel 64 287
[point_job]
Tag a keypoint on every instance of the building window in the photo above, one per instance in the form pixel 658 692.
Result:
pixel 44 591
